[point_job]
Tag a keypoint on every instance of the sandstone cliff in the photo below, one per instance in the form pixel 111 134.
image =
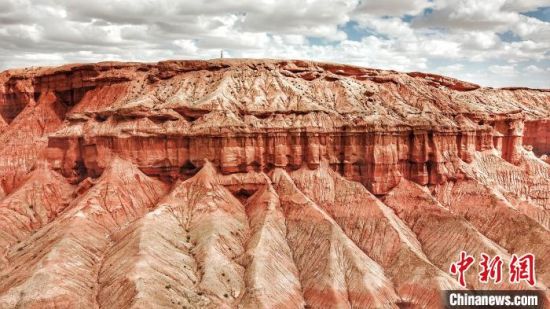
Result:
pixel 262 183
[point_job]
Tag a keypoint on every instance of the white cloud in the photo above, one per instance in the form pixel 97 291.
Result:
pixel 462 37
pixel 188 47
pixel 524 5
pixel 532 28
pixel 393 7
pixel 533 69
pixel 452 68
pixel 393 27
pixel 468 14
pixel 480 40
pixel 503 69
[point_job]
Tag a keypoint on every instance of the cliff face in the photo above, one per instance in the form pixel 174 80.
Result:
pixel 371 165
pixel 372 126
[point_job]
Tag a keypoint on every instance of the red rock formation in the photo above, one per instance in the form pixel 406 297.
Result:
pixel 431 223
pixel 254 115
pixel 58 265
pixel 262 183
pixel 41 198
pixel 25 138
pixel 379 233
pixel 495 220
pixel 537 135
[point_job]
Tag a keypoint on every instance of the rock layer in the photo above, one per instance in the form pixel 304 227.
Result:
pixel 262 184
pixel 373 126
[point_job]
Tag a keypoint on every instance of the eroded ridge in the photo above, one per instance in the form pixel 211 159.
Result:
pixel 287 240
pixel 58 265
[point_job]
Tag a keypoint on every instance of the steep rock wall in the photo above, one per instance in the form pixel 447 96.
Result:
pixel 372 126
pixel 537 135
pixel 376 159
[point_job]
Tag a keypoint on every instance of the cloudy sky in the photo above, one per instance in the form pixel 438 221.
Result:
pixel 490 42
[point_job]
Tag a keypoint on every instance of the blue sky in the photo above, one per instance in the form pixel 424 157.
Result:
pixel 493 43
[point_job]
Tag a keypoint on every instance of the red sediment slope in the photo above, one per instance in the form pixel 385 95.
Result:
pixel 73 245
pixel 379 233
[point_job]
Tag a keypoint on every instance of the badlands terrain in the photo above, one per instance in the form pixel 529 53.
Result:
pixel 262 184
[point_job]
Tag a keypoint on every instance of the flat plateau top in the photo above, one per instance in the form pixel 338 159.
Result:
pixel 247 95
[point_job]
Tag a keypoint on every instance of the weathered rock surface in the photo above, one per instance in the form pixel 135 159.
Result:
pixel 58 265
pixel 262 184
pixel 379 233
pixel 431 223
pixel 43 196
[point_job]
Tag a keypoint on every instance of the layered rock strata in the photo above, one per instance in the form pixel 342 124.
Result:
pixel 372 126
pixel 262 184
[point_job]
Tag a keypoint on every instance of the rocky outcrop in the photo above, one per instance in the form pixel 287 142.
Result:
pixel 372 126
pixel 537 136
pixel 262 184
